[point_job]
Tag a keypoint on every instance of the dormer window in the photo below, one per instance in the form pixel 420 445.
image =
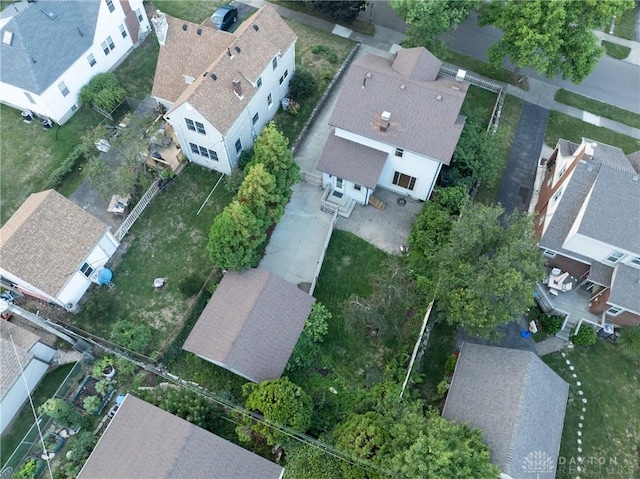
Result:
pixel 635 261
pixel 615 256
pixel 188 79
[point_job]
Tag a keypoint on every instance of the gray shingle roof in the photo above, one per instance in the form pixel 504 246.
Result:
pixel 625 288
pixel 9 365
pixel 144 441
pixel 600 273
pixel 352 161
pixel 420 122
pixel 42 48
pixel 515 399
pixel 251 324
pixel 47 239
pixel 611 156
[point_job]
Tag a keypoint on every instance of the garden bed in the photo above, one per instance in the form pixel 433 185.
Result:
pixel 88 389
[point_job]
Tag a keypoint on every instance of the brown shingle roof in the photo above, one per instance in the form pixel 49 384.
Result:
pixel 417 64
pixel 351 161
pixel 9 365
pixel 47 240
pixel 251 324
pixel 144 441
pixel 424 114
pixel 215 99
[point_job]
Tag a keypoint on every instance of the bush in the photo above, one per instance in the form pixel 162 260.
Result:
pixel 450 365
pixel 104 387
pixel 101 364
pixel 103 91
pixel 68 165
pixel 442 387
pixel 550 324
pixel 91 404
pixel 586 336
pixel 331 55
pixel 131 336
pixel 27 471
pixel 245 158
pixel 302 85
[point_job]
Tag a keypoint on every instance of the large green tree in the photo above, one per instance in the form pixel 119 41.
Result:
pixel 552 36
pixel 103 91
pixel 308 462
pixel 236 237
pixel 344 10
pixel 280 402
pixel 488 269
pixel 427 20
pixel 272 150
pixel 260 194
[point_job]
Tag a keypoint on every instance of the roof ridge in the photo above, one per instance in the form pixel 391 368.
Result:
pixel 519 409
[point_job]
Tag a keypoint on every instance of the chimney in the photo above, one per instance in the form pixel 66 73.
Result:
pixel 237 88
pixel 160 25
pixel 384 121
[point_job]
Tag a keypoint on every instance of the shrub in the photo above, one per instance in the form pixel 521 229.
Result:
pixel 101 364
pixel 104 387
pixel 450 365
pixel 629 342
pixel 442 387
pixel 302 85
pixel 27 471
pixel 294 108
pixel 135 337
pixel 550 324
pixel 72 160
pixel 103 91
pixel 91 404
pixel 584 337
pixel 331 55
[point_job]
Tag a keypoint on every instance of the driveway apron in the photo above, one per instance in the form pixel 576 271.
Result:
pixel 520 172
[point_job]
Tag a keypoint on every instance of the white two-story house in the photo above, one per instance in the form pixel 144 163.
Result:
pixel 221 88
pixel 52 48
pixel 395 123
pixel 588 221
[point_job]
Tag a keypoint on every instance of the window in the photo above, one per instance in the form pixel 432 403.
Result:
pixel 614 311
pixel 63 88
pixel 200 128
pixel 564 168
pixel 123 31
pixel 635 261
pixel 110 43
pixel 86 269
pixel 255 118
pixel 190 125
pixel 110 5
pixel 286 73
pixel 399 152
pixel 195 126
pixel 107 46
pixel 204 152
pixel 238 146
pixel 91 59
pixel 281 80
pixel 274 63
pixel 549 254
pixel 139 15
pixel 557 196
pixel 270 100
pixel 357 187
pixel 339 183
pixel 259 83
pixel 615 256
pixel 29 97
pixel 404 181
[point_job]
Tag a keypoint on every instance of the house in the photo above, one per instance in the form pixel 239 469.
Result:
pixel 143 440
pixel 251 324
pixel 52 249
pixel 23 358
pixel 395 123
pixel 588 222
pixel 517 401
pixel 221 88
pixel 52 48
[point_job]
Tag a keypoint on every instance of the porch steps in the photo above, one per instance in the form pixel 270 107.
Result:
pixel 376 203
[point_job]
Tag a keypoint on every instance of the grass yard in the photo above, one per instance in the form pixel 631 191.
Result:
pixel 619 52
pixel 167 241
pixel 610 441
pixel 195 11
pixel 316 63
pixel 136 73
pixel 346 270
pixel 479 67
pixel 598 108
pixel 479 104
pixel 625 25
pixel 509 119
pixel 572 129
pixel 24 419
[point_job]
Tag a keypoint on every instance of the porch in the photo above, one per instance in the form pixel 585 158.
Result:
pixel 165 151
pixel 332 201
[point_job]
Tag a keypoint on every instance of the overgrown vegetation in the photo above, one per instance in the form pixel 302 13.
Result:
pixel 598 108
pixel 103 92
pixel 586 336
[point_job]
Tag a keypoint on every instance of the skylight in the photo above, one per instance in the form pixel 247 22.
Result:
pixel 7 37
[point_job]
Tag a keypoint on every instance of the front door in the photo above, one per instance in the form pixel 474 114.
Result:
pixel 339 187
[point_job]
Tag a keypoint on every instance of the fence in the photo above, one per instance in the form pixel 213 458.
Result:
pixel 137 211
pixel 311 179
pixel 324 251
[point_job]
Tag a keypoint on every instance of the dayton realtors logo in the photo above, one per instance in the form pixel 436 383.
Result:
pixel 538 462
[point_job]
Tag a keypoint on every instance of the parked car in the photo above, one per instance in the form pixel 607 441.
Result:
pixel 225 16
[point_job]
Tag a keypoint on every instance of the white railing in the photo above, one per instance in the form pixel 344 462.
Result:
pixel 324 251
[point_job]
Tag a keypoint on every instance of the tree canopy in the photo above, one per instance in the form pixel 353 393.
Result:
pixel 488 268
pixel 345 10
pixel 428 19
pixel 103 91
pixel 552 36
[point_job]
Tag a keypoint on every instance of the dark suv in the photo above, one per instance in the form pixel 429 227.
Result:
pixel 224 17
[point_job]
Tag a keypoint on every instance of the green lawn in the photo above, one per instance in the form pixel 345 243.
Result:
pixel 346 270
pixel 24 419
pixel 169 240
pixel 611 386
pixel 619 52
pixel 479 103
pixel 625 25
pixel 509 119
pixel 572 129
pixel 598 108
pixel 136 73
pixel 479 67
pixel 195 11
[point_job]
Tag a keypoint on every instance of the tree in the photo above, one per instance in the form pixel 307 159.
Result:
pixel 428 19
pixel 553 37
pixel 302 84
pixel 123 167
pixel 260 194
pixel 60 411
pixel 280 402
pixel 310 462
pixel 132 336
pixel 272 150
pixel 629 342
pixel 235 238
pixel 103 91
pixel 345 10
pixel 307 348
pixel 487 271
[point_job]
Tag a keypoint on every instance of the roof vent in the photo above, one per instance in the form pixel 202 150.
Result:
pixel 439 97
pixel 636 178
pixel 80 32
pixel 237 88
pixel 49 13
pixel 386 116
pixel 255 27
pixel 184 27
pixel 205 74
pixel 461 74
pixel 237 48
pixel 229 52
pixel 589 167
pixel 368 75
pixel 213 76
pixel 384 123
pixel 199 31
pixel 7 37
pixel 403 86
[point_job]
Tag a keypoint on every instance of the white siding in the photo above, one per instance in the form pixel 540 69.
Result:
pixel 17 395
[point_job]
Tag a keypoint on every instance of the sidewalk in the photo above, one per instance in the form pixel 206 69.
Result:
pixel 634 55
